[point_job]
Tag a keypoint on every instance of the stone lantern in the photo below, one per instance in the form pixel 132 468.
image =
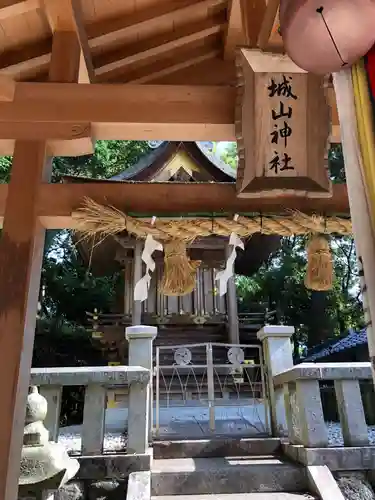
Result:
pixel 45 465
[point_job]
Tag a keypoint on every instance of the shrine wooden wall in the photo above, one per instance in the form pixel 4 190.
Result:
pixel 204 300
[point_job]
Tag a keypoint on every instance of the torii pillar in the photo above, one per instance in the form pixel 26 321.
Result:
pixel 21 255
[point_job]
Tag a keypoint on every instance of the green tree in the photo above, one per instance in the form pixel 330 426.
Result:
pixel 317 316
pixel 69 288
pixel 110 158
pixel 279 283
pixel 229 155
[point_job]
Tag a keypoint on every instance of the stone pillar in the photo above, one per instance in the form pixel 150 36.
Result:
pixel 278 357
pixel 140 340
pixel 351 411
pixel 138 417
pixel 233 329
pixel 305 414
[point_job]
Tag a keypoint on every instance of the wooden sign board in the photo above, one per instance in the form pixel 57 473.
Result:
pixel 282 128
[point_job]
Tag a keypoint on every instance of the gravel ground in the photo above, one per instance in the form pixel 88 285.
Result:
pixel 70 437
pixel 335 435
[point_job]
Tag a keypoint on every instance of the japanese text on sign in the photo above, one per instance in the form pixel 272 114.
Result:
pixel 282 130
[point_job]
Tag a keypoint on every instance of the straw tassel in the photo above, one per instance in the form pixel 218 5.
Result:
pixel 179 271
pixel 319 272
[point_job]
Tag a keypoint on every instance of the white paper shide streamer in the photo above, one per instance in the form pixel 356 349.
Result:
pixel 223 276
pixel 142 286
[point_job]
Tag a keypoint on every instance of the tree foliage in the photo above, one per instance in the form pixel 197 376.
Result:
pixel 68 285
pixel 110 158
pixel 279 283
pixel 229 155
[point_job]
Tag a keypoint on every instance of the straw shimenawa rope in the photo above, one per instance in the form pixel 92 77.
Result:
pixel 94 218
pixel 180 272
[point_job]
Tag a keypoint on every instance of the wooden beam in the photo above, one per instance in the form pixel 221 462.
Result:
pixel 267 23
pixel 234 35
pixel 57 202
pixel 21 254
pixel 119 27
pixel 157 46
pixel 11 8
pixel 232 309
pixel 66 66
pixel 66 16
pixel 74 147
pixel 40 131
pixel 178 112
pixel 29 59
pixel 72 61
pixel 335 137
pixel 147 73
pixel 7 88
pixel 67 45
pixel 121 111
pixel 252 16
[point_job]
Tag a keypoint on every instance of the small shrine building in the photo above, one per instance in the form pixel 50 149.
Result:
pixel 201 315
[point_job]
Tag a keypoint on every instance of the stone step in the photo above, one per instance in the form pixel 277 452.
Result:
pixel 204 448
pixel 240 496
pixel 201 476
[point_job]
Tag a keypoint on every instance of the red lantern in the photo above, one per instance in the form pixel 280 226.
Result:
pixel 323 36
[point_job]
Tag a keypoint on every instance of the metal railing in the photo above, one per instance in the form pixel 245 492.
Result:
pixel 96 381
pixel 213 375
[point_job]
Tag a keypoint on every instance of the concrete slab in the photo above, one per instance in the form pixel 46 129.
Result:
pixel 203 476
pixel 337 459
pixel 216 447
pixel 216 463
pixel 323 483
pixel 139 486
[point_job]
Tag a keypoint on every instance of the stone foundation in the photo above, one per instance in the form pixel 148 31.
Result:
pixel 361 458
pixel 102 477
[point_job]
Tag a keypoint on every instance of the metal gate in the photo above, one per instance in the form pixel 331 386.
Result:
pixel 210 388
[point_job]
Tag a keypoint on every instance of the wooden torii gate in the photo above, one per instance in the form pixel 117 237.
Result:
pixel 74 71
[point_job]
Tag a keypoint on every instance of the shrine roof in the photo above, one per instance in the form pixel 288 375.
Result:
pixel 151 164
pixel 333 346
pixel 196 149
